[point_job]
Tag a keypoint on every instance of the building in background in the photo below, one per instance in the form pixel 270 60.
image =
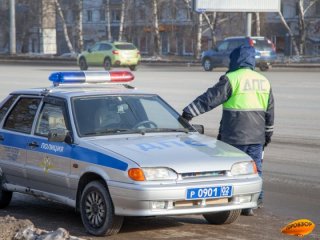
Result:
pixel 41 30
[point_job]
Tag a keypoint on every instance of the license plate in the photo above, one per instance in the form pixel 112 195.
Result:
pixel 209 192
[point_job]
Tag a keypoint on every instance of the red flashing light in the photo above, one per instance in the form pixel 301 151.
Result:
pixel 121 76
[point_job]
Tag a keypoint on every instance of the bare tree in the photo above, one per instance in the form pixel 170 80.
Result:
pixel 64 26
pixel 157 50
pixel 123 7
pixel 108 20
pixel 303 7
pixel 78 23
pixel 258 27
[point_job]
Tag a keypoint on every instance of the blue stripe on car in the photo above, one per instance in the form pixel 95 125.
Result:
pixel 64 150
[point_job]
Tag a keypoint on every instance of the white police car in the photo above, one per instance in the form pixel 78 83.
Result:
pixel 94 143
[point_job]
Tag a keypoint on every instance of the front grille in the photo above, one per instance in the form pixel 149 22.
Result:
pixel 203 174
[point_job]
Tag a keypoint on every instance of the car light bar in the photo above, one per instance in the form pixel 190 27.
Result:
pixel 91 77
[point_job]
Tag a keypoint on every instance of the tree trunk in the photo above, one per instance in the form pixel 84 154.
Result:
pixel 295 47
pixel 64 26
pixel 78 28
pixel 121 20
pixel 157 49
pixel 258 27
pixel 108 20
pixel 199 35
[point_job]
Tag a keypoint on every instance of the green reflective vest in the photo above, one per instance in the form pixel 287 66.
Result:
pixel 250 91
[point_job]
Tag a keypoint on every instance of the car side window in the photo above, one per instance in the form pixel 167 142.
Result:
pixel 6 106
pixel 21 118
pixel 234 44
pixel 223 46
pixel 104 47
pixel 51 117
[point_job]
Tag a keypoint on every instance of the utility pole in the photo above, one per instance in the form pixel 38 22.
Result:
pixel 249 24
pixel 12 27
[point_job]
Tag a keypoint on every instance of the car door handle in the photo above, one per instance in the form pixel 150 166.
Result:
pixel 33 144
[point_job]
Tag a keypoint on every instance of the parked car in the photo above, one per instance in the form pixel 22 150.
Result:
pixel 108 150
pixel 110 54
pixel 219 56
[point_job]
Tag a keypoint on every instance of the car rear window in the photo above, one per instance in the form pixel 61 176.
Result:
pixel 125 46
pixel 262 44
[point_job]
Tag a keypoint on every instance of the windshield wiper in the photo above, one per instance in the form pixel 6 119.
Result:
pixel 185 130
pixel 115 131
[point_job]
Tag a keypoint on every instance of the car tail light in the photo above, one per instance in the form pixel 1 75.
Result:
pixel 115 52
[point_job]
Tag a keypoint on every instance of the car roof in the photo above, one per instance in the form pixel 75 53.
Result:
pixel 115 42
pixel 242 37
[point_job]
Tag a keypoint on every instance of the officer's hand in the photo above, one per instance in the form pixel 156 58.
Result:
pixel 268 140
pixel 187 116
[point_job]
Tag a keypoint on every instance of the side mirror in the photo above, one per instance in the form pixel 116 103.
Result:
pixel 60 135
pixel 199 128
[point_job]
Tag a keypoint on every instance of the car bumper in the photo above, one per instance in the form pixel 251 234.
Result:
pixel 145 200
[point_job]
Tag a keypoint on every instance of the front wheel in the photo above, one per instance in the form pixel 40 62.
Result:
pixel 207 64
pixel 133 67
pixel 225 217
pixel 83 64
pixel 97 212
pixel 107 64
pixel 264 67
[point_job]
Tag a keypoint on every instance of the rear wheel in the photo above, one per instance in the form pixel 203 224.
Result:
pixel 107 64
pixel 264 67
pixel 225 217
pixel 97 212
pixel 133 67
pixel 207 64
pixel 83 64
pixel 5 198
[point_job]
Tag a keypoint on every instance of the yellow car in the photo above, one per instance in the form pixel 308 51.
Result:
pixel 110 54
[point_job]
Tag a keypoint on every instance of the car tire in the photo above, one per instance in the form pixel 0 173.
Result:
pixel 107 64
pixel 133 67
pixel 207 64
pixel 225 217
pixel 5 198
pixel 264 67
pixel 83 64
pixel 97 211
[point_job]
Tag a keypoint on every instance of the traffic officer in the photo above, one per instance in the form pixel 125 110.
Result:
pixel 248 107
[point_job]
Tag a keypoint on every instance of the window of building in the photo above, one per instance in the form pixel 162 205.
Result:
pixel 102 15
pixel 116 15
pixel 89 15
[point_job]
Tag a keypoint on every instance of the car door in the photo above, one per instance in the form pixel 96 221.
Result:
pixel 93 52
pixel 48 163
pixel 15 137
pixel 219 56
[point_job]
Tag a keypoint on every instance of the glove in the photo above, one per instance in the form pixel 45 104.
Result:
pixel 268 140
pixel 187 116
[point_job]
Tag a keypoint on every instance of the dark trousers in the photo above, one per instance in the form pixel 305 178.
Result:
pixel 255 152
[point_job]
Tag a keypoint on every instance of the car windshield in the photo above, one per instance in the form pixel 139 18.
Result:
pixel 125 46
pixel 105 115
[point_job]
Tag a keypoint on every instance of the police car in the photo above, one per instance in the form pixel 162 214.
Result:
pixel 94 142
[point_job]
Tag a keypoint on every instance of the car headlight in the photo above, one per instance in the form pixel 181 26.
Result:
pixel 244 168
pixel 152 174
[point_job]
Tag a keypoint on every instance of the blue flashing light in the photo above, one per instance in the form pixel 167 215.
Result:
pixel 67 77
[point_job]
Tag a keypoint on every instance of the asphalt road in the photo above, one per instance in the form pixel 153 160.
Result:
pixel 291 163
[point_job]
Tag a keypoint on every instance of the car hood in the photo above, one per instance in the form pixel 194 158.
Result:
pixel 181 152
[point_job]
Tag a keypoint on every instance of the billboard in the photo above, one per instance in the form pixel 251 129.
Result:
pixel 236 5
